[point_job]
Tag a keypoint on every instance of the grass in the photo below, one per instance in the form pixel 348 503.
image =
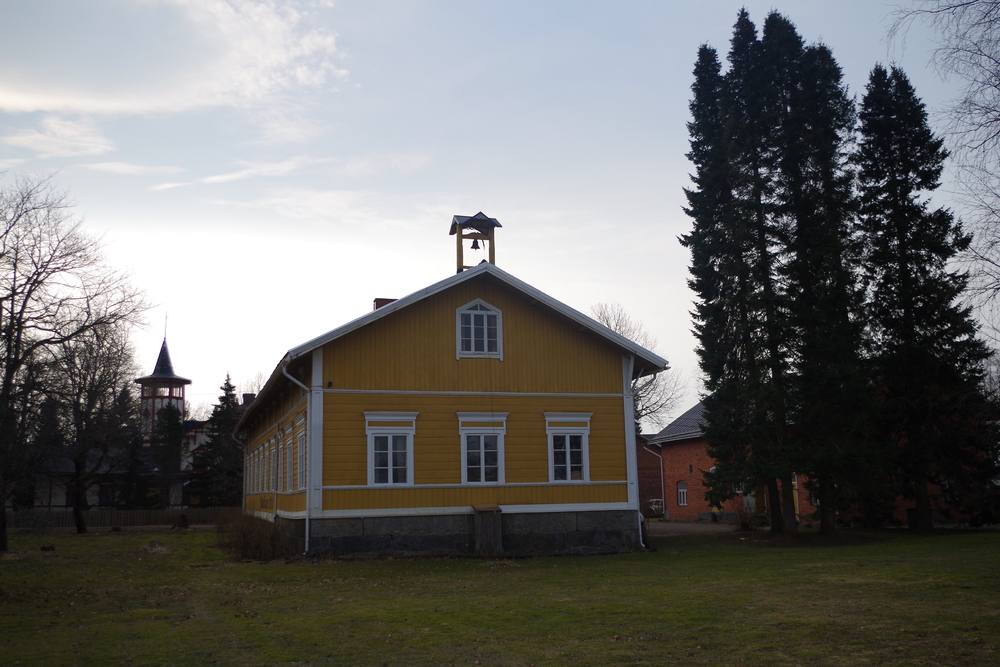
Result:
pixel 890 598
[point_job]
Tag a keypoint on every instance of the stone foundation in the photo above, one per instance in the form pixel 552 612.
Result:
pixel 454 534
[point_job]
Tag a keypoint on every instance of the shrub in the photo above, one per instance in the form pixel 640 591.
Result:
pixel 252 538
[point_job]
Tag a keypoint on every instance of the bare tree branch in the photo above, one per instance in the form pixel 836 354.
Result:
pixel 55 287
pixel 656 396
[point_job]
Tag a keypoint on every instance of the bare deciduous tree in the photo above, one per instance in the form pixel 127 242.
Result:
pixel 655 396
pixel 253 385
pixel 54 287
pixel 92 408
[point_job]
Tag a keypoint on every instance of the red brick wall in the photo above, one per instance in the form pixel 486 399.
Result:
pixel 685 461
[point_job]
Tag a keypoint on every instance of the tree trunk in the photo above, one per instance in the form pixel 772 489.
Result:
pixel 788 506
pixel 923 498
pixel 3 523
pixel 774 504
pixel 79 519
pixel 826 495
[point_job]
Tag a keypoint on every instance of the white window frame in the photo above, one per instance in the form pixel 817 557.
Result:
pixel 302 459
pixel 682 494
pixel 289 459
pixel 480 424
pixel 279 466
pixel 390 424
pixel 467 309
pixel 272 467
pixel 567 424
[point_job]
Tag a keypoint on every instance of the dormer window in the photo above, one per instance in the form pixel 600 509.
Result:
pixel 479 331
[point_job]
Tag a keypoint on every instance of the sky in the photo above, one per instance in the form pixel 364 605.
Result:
pixel 264 169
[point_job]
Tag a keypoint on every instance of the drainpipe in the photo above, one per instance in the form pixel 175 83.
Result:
pixel 663 495
pixel 284 371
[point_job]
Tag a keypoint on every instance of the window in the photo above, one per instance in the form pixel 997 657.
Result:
pixel 302 459
pixel 569 456
pixel 289 467
pixel 482 435
pixel 177 392
pixel 390 447
pixel 479 331
pixel 163 391
pixel 279 469
pixel 272 469
pixel 682 494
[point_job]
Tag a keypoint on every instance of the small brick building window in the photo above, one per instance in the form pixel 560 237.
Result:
pixel 682 494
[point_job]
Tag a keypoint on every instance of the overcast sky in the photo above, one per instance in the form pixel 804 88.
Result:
pixel 265 169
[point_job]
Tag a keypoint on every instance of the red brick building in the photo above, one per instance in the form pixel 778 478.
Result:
pixel 672 465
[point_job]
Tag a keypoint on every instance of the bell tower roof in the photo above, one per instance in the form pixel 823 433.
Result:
pixel 164 370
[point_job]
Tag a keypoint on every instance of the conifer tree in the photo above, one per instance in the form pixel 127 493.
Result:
pixel 221 483
pixel 928 359
pixel 168 439
pixel 745 126
pixel 830 396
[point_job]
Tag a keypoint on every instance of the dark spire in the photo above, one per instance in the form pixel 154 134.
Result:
pixel 164 370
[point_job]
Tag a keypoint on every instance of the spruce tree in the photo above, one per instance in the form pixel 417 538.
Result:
pixel 743 129
pixel 829 392
pixel 221 483
pixel 167 442
pixel 928 360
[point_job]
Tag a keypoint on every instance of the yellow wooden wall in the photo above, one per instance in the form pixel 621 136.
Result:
pixel 369 498
pixel 414 349
pixel 437 445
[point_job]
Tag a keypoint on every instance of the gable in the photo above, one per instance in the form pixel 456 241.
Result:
pixel 417 348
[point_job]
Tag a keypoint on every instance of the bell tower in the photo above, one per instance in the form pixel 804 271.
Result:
pixel 476 228
pixel 159 389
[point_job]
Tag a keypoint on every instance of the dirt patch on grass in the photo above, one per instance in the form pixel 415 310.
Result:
pixel 156 547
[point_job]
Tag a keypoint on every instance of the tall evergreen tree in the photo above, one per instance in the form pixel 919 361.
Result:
pixel 767 142
pixel 168 440
pixel 830 397
pixel 927 356
pixel 221 483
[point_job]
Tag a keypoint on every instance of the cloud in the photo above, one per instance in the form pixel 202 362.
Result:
pixel 233 53
pixel 168 186
pixel 263 169
pixel 367 166
pixel 127 168
pixel 358 167
pixel 62 138
pixel 345 206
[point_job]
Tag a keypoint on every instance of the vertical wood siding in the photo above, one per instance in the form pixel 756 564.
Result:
pixel 366 498
pixel 414 350
pixel 437 445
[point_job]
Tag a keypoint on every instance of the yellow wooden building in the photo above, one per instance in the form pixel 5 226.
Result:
pixel 478 414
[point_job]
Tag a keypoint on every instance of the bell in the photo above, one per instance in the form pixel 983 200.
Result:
pixel 475 244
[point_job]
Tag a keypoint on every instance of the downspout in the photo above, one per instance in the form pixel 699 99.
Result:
pixel 631 455
pixel 663 496
pixel 284 371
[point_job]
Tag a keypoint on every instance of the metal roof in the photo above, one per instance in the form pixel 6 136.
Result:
pixel 688 425
pixel 480 221
pixel 650 361
pixel 647 362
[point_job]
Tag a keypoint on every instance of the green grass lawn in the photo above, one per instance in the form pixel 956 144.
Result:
pixel 891 598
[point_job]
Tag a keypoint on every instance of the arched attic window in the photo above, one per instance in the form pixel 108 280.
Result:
pixel 478 331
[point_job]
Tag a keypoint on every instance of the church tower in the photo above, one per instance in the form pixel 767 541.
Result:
pixel 159 389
